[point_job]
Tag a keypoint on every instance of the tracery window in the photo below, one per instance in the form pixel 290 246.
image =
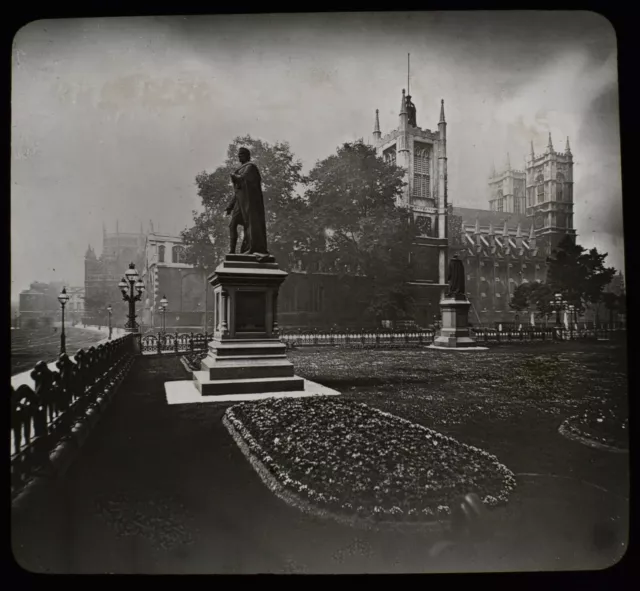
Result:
pixel 390 156
pixel 161 250
pixel 540 188
pixel 421 173
pixel 178 254
pixel 559 186
pixel 517 205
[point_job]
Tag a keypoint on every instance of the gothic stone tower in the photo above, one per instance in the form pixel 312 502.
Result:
pixel 549 190
pixel 423 155
pixel 507 190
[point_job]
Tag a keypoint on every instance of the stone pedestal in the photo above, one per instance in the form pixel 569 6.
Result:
pixel 246 355
pixel 454 333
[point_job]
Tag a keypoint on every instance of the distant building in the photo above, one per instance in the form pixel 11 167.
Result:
pixel 530 212
pixel 423 155
pixel 39 306
pixel 103 273
pixel 166 274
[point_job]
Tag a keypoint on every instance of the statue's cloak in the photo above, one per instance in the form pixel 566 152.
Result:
pixel 456 277
pixel 248 189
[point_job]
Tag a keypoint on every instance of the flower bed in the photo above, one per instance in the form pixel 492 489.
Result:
pixel 605 426
pixel 349 459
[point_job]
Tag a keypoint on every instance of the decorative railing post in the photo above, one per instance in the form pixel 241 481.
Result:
pixel 191 343
pixel 176 343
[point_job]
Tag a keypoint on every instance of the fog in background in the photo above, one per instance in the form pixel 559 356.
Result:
pixel 113 118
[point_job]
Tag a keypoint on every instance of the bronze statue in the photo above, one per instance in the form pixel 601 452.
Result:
pixel 456 279
pixel 411 112
pixel 247 208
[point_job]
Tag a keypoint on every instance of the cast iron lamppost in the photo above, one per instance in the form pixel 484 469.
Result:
pixel 132 289
pixel 558 304
pixel 110 311
pixel 63 298
pixel 163 308
pixel 572 311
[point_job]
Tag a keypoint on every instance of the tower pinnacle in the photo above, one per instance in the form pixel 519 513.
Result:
pixel 567 148
pixel 442 120
pixel 550 144
pixel 376 127
pixel 403 105
pixel 508 162
pixel 533 154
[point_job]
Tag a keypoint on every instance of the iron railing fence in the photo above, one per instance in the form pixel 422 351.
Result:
pixel 60 402
pixel 176 343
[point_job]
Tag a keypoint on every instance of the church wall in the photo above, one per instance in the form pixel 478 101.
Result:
pixel 185 290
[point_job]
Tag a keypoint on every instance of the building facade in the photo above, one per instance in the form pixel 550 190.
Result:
pixel 166 275
pixel 530 212
pixel 102 274
pixel 423 155
pixel 38 306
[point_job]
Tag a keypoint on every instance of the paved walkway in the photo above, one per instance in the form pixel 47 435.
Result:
pixel 163 489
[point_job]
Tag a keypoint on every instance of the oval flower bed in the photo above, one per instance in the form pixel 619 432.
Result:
pixel 603 427
pixel 342 458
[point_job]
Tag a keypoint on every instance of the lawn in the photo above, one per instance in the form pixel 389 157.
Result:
pixel 165 489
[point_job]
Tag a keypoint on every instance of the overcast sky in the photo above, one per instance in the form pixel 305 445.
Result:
pixel 113 118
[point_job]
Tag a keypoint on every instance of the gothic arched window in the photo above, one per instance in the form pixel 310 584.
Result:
pixel 559 186
pixel 161 250
pixel 540 188
pixel 421 173
pixel 177 254
pixel 390 156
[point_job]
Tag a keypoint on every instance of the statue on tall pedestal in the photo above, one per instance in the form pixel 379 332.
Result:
pixel 456 279
pixel 247 209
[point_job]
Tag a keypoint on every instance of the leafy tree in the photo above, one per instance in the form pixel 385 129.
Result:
pixel 612 302
pixel 207 240
pixel 357 226
pixel 540 297
pixel 520 298
pixel 579 274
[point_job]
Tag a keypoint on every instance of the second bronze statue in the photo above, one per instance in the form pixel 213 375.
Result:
pixel 247 208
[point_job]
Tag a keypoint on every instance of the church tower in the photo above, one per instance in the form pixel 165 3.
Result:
pixel 549 188
pixel 422 153
pixel 507 189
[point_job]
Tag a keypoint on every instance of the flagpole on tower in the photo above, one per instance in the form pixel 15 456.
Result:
pixel 408 72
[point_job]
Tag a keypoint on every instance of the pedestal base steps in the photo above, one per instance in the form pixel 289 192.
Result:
pixel 246 367
pixel 246 359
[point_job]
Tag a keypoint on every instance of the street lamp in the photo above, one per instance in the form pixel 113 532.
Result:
pixel 163 308
pixel 63 298
pixel 572 310
pixel 132 289
pixel 557 304
pixel 110 311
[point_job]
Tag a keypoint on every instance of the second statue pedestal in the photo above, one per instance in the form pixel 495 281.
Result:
pixel 455 333
pixel 246 355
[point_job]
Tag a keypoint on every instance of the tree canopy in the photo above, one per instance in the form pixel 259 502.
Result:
pixel 578 274
pixel 358 228
pixel 342 217
pixel 207 240
pixel 573 271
